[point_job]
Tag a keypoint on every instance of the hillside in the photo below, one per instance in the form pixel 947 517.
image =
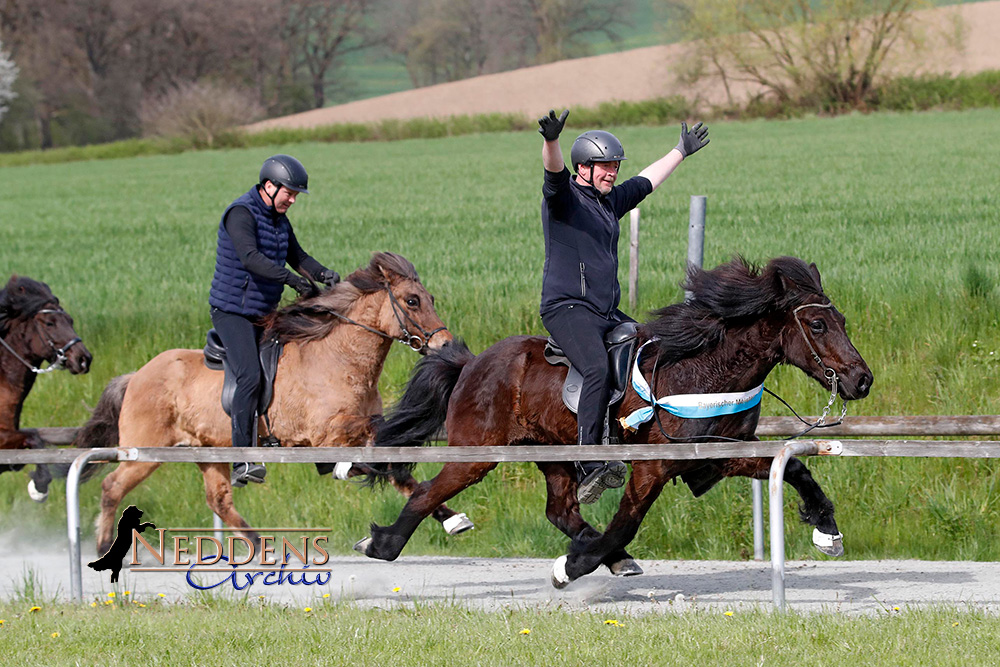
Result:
pixel 633 75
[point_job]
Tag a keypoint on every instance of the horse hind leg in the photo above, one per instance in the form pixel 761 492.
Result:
pixel 562 509
pixel 452 522
pixel 114 488
pixel 387 542
pixel 219 495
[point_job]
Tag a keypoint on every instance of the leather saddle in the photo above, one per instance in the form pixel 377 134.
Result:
pixel 620 343
pixel 215 359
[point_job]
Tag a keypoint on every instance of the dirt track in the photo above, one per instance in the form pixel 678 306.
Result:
pixel 854 587
pixel 638 74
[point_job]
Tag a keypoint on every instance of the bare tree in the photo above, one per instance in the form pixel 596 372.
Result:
pixel 444 40
pixel 558 29
pixel 323 32
pixel 8 75
pixel 830 51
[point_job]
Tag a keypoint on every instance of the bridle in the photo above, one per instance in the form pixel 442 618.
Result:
pixel 61 359
pixel 412 341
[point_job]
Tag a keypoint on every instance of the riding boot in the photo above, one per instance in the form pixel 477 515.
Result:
pixel 244 471
pixel 596 476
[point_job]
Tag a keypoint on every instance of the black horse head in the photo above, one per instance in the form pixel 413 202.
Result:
pixel 35 328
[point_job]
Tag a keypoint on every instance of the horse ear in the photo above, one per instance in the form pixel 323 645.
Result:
pixel 815 272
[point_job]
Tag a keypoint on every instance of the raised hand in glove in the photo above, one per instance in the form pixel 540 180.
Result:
pixel 693 140
pixel 305 288
pixel 329 278
pixel 550 126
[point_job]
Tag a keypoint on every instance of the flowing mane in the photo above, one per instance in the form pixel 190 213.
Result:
pixel 22 297
pixel 729 294
pixel 315 317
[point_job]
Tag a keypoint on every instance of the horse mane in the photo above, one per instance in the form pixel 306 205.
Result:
pixel 22 296
pixel 733 293
pixel 315 317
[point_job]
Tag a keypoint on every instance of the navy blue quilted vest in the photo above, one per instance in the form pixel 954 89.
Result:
pixel 236 290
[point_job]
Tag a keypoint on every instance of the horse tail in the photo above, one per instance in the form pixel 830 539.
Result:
pixel 101 430
pixel 422 410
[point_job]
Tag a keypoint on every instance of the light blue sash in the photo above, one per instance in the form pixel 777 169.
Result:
pixel 687 406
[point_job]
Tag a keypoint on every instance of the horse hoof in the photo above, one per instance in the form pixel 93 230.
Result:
pixel 35 494
pixel 626 567
pixel 559 578
pixel 831 545
pixel 361 546
pixel 457 524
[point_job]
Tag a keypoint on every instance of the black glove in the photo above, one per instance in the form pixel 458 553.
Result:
pixel 329 277
pixel 550 126
pixel 305 288
pixel 694 140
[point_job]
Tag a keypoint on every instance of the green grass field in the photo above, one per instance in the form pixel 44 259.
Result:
pixel 420 634
pixel 898 211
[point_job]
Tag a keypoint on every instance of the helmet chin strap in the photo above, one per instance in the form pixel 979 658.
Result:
pixel 270 207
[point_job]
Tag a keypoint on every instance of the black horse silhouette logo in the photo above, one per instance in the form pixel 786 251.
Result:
pixel 112 560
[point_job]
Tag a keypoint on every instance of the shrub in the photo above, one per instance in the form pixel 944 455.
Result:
pixel 202 111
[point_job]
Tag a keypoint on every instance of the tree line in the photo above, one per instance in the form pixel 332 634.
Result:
pixel 87 71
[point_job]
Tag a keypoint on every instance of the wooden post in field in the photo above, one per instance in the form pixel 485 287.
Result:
pixel 633 258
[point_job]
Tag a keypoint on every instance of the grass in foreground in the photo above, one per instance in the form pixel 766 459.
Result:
pixel 335 633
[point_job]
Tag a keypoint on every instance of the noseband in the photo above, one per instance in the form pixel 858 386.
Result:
pixel 829 373
pixel 412 341
pixel 60 361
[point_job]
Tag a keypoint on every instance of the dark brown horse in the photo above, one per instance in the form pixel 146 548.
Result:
pixel 33 329
pixel 325 390
pixel 740 323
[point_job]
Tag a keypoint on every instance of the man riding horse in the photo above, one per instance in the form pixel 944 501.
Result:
pixel 255 241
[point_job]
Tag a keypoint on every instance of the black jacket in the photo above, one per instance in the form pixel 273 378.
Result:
pixel 581 241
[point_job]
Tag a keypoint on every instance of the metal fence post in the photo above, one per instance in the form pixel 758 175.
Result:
pixel 73 514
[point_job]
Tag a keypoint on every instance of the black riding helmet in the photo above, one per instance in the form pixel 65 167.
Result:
pixel 596 146
pixel 285 170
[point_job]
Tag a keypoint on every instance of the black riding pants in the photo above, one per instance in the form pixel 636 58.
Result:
pixel 580 331
pixel 241 336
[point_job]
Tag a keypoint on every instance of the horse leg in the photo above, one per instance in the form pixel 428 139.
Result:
pixel 386 542
pixel 562 509
pixel 219 494
pixel 816 508
pixel 643 488
pixel 452 522
pixel 116 486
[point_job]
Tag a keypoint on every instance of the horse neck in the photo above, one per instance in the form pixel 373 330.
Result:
pixel 740 362
pixel 351 346
pixel 16 380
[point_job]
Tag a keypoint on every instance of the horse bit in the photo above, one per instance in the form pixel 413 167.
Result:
pixel 412 341
pixel 61 359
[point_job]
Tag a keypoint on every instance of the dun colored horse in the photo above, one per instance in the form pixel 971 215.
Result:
pixel 325 390
pixel 739 324
pixel 33 329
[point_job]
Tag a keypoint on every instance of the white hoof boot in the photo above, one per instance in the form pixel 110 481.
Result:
pixel 361 546
pixel 831 545
pixel 457 524
pixel 341 469
pixel 559 577
pixel 35 494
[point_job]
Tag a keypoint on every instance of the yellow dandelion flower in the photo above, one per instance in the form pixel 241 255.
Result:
pixel 128 592
pixel 93 604
pixel 954 625
pixel 307 609
pixel 728 613
pixel 2 621
pixel 141 604
pixel 525 631
pixel 111 594
pixel 326 595
pixel 396 589
pixel 34 609
pixel 611 621
pixel 162 595
pixel 895 608
pixel 54 635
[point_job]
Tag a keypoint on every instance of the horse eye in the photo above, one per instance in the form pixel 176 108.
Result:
pixel 818 326
pixel 413 302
